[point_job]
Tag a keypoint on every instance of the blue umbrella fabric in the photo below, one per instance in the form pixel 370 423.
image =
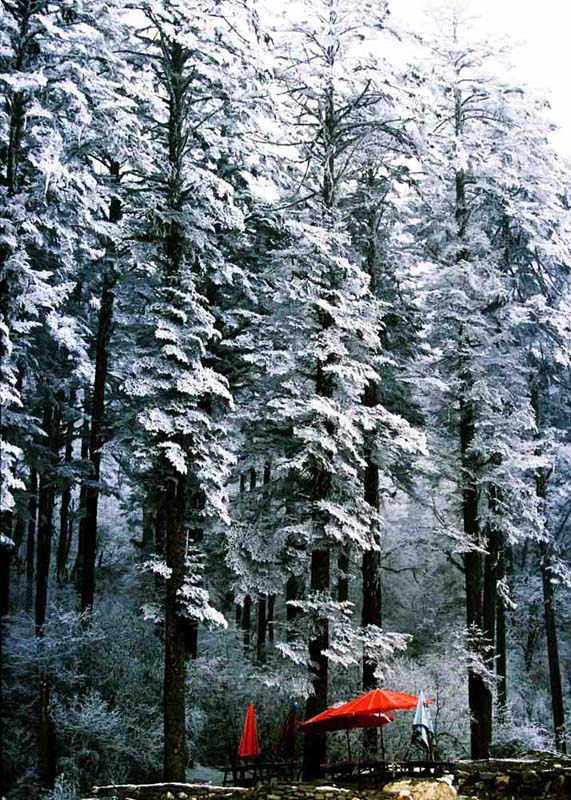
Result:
pixel 422 727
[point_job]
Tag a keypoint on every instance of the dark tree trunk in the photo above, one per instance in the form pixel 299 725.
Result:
pixel 46 500
pixel 6 555
pixel 64 516
pixel 175 752
pixel 261 628
pixel 96 437
pixel 292 613
pixel 314 749
pixel 195 536
pixel 271 612
pixel 31 538
pixel 501 641
pixel 489 610
pixel 18 537
pixel 371 613
pixel 315 745
pixel 343 576
pixel 5 603
pixel 246 623
pixel 80 556
pixel 477 692
pixel 46 738
pixel 539 398
pixel 553 652
pixel 245 612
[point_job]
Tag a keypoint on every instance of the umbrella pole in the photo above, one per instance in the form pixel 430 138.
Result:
pixel 348 743
pixel 382 744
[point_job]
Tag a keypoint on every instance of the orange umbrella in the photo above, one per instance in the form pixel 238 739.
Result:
pixel 248 747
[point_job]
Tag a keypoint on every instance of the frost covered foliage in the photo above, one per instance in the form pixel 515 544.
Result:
pixel 103 697
pixel 284 368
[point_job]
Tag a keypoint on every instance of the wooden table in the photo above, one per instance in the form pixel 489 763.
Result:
pixel 249 773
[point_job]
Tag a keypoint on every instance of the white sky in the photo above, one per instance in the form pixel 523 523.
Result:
pixel 541 31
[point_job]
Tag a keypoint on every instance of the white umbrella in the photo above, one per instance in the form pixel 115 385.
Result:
pixel 422 727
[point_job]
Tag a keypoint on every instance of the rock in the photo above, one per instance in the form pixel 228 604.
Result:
pixel 557 785
pixel 530 778
pixel 182 796
pixel 420 790
pixel 502 782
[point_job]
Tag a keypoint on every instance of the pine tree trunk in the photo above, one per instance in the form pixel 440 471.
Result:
pixel 489 616
pixel 46 738
pixel 96 426
pixel 64 517
pixel 501 642
pixel 261 631
pixel 343 576
pixel 292 613
pixel 553 652
pixel 46 498
pixel 246 623
pixel 80 556
pixel 539 397
pixel 3 768
pixel 271 613
pixel 315 745
pixel 6 553
pixel 477 692
pixel 31 538
pixel 371 613
pixel 175 752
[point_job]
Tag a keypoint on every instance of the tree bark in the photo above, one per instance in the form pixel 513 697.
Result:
pixel 271 613
pixel 489 609
pixel 64 517
pixel 246 623
pixel 539 395
pixel 261 628
pixel 96 437
pixel 315 750
pixel 46 737
pixel 557 706
pixel 51 421
pixel 31 538
pixel 80 556
pixel 477 692
pixel 175 752
pixel 371 613
pixel 292 613
pixel 343 576
pixel 501 642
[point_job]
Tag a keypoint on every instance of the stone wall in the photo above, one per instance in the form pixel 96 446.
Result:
pixel 497 780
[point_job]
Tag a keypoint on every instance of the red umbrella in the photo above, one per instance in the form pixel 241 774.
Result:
pixel 248 747
pixel 366 711
pixel 331 720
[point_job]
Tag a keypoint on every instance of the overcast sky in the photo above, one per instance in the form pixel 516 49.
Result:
pixel 541 29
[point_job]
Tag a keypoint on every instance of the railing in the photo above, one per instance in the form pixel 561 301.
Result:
pixel 374 773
